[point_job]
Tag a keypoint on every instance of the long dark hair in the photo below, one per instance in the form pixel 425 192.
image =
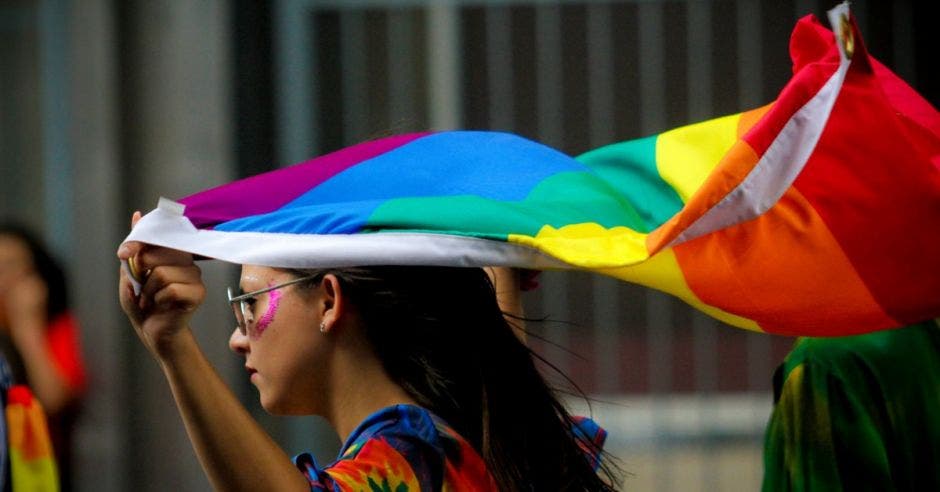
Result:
pixel 46 267
pixel 440 334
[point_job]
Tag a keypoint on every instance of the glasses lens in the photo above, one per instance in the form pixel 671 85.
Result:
pixel 239 319
pixel 238 308
pixel 246 317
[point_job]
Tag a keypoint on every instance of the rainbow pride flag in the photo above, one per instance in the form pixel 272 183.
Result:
pixel 32 462
pixel 813 215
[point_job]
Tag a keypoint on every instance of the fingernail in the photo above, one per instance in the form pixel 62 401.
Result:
pixel 123 251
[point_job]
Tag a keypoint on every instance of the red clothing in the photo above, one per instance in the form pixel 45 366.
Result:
pixel 62 341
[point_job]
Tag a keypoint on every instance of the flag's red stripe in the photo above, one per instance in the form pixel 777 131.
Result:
pixel 872 178
pixel 783 270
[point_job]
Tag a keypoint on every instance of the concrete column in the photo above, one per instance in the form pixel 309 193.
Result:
pixel 97 224
pixel 176 125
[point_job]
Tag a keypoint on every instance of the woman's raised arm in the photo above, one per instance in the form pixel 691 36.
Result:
pixel 234 450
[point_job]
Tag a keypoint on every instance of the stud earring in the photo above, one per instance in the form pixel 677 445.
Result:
pixel 323 327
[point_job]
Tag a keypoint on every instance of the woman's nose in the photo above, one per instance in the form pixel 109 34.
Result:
pixel 238 342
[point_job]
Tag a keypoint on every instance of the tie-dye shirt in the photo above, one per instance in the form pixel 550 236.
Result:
pixel 407 448
pixel 401 448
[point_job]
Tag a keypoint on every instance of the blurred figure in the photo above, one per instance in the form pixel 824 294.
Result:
pixel 857 413
pixel 39 335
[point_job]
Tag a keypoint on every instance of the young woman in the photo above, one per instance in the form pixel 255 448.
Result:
pixel 415 367
pixel 39 336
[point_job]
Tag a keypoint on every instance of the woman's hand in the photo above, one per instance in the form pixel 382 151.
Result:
pixel 25 303
pixel 170 294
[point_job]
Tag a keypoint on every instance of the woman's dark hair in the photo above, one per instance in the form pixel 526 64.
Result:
pixel 46 267
pixel 440 334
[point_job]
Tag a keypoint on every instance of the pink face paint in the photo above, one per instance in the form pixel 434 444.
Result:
pixel 274 299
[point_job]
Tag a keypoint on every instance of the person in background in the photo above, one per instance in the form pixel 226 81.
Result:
pixel 857 413
pixel 39 335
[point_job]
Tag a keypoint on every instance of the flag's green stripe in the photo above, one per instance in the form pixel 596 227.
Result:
pixel 560 200
pixel 630 167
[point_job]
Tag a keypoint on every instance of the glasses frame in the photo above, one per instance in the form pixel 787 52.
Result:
pixel 245 310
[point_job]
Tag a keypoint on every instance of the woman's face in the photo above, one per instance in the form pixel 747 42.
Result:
pixel 15 262
pixel 285 353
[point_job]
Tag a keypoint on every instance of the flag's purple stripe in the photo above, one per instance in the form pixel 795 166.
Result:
pixel 269 191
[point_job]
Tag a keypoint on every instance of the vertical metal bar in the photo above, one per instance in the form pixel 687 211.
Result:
pixel 56 157
pixel 354 76
pixel 805 7
pixel 699 28
pixel 601 111
pixel 443 67
pixel 705 352
pixel 700 97
pixel 751 86
pixel 401 69
pixel 750 56
pixel 294 54
pixel 600 74
pixel 499 67
pixel 92 36
pixel 555 302
pixel 658 314
pixel 549 80
pixel 651 72
pixel 859 10
pixel 903 35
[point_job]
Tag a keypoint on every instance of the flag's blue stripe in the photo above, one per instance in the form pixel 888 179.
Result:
pixel 498 166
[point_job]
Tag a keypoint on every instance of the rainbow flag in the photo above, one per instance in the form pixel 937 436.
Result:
pixel 813 215
pixel 32 462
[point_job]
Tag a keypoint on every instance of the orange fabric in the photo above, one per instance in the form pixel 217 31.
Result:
pixel 792 245
pixel 26 425
pixel 749 118
pixel 728 174
pixel 378 463
pixel 62 341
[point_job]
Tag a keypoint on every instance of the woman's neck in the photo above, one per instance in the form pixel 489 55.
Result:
pixel 361 387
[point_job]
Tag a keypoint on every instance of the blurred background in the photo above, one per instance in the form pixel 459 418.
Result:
pixel 107 105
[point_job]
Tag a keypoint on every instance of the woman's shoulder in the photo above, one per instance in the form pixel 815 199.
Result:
pixel 402 447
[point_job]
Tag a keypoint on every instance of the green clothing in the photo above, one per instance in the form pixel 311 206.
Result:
pixel 857 413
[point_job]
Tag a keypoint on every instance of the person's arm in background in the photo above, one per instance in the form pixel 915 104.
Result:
pixel 26 310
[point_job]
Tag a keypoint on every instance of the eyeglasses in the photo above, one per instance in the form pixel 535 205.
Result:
pixel 242 307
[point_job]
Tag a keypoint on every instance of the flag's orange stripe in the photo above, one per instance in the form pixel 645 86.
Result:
pixel 813 278
pixel 728 174
pixel 750 118
pixel 27 431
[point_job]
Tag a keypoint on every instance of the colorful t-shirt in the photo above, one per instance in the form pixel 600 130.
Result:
pixel 401 448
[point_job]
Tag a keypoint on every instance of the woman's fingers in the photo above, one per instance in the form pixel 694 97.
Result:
pixel 182 297
pixel 172 276
pixel 129 301
pixel 131 248
pixel 152 256
pixel 142 259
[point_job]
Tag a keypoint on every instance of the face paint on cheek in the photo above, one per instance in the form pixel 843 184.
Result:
pixel 274 299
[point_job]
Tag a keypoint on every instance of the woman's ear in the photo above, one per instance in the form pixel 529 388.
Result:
pixel 332 303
